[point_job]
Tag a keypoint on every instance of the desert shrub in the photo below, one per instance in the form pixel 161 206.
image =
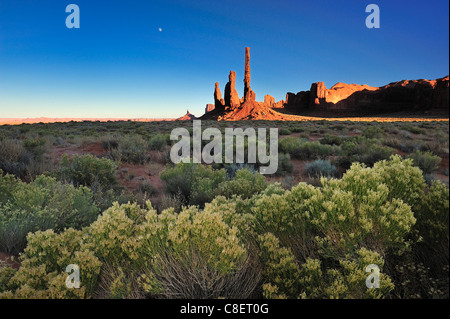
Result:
pixel 338 127
pixel 233 168
pixel 369 209
pixel 422 270
pixel 426 161
pixel 285 278
pixel 35 146
pixel 363 150
pixel 88 170
pixel 8 184
pixel 285 131
pixel 289 144
pixel 245 184
pixel 372 132
pixel 313 150
pixel 42 272
pixel 23 159
pixel 170 201
pixel 392 142
pixel 204 188
pixel 157 142
pixel 280 269
pixel 331 140
pixel 70 206
pixel 6 273
pixel 41 205
pixel 284 164
pixel 404 181
pixel 148 189
pixel 297 129
pixel 409 146
pixel 306 242
pixel 432 213
pixel 16 224
pixel 109 144
pixel 133 149
pixel 276 213
pixel 321 168
pixel 413 129
pixel 212 263
pixel 59 141
pixel 194 254
pixel 194 182
pixel 105 197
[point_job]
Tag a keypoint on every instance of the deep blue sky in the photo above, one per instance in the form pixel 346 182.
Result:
pixel 118 64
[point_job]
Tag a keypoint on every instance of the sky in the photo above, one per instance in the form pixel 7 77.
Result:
pixel 156 59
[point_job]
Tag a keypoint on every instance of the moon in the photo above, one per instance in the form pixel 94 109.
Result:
pixel 159 29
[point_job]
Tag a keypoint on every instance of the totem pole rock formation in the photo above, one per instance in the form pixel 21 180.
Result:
pixel 218 101
pixel 249 95
pixel 231 95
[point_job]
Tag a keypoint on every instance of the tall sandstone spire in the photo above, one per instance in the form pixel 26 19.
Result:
pixel 249 95
pixel 218 101
pixel 231 95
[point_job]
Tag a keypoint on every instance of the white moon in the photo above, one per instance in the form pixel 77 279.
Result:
pixel 159 29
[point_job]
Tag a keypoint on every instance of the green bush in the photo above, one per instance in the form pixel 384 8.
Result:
pixel 306 242
pixel 245 184
pixel 317 242
pixel 331 140
pixel 285 131
pixel 372 132
pixel 297 129
pixel 88 170
pixel 133 149
pixel 23 159
pixel 134 252
pixel 432 213
pixel 321 168
pixel 363 150
pixel 43 204
pixel 42 272
pixel 289 144
pixel 204 188
pixel 148 189
pixel 422 270
pixel 413 129
pixel 284 165
pixel 196 183
pixel 426 161
pixel 314 150
pixel 158 142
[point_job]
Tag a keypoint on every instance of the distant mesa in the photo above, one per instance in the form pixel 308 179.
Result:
pixel 420 96
pixel 187 117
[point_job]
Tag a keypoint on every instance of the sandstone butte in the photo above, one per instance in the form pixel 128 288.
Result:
pixel 187 117
pixel 423 97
